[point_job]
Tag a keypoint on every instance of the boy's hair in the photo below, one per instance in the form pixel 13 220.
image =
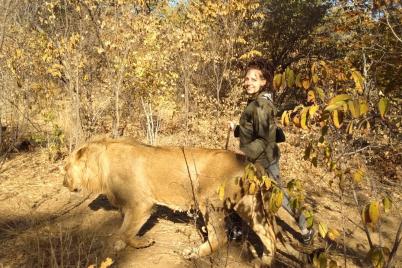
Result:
pixel 264 66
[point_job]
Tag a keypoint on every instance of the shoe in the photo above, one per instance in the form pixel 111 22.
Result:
pixel 236 233
pixel 307 238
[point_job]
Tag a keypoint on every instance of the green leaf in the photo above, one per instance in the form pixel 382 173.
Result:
pixel 320 93
pixel 377 256
pixel 308 214
pixel 277 81
pixel 335 106
pixel 340 98
pixel 290 77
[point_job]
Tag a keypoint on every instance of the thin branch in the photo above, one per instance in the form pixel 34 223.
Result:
pixel 394 250
pixel 365 227
pixel 18 109
pixel 390 26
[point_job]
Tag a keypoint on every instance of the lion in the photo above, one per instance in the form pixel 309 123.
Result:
pixel 136 177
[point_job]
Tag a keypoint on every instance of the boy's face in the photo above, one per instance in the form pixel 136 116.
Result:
pixel 253 81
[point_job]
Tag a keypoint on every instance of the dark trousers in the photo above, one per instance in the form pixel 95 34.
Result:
pixel 274 173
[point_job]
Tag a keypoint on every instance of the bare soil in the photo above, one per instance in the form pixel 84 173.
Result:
pixel 42 224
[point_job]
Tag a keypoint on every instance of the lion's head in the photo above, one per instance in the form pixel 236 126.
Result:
pixel 82 170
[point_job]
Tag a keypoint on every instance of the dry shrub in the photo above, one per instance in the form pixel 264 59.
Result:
pixel 64 248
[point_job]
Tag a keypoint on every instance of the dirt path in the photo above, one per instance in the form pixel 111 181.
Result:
pixel 42 224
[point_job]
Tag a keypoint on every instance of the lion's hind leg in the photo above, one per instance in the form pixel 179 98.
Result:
pixel 251 211
pixel 134 219
pixel 215 224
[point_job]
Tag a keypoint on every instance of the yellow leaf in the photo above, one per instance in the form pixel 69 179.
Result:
pixel 276 199
pixel 363 107
pixel 383 106
pixel 251 190
pixel 303 120
pixel 251 54
pixel 296 120
pixel 313 110
pixel 374 212
pixel 387 204
pixel 310 96
pixel 267 182
pixel 221 192
pixel 106 263
pixel 328 152
pixel 354 109
pixel 333 234
pixel 315 78
pixel 358 175
pixel 356 104
pixel 306 84
pixel 283 120
pixel 319 260
pixel 336 119
pixel 359 81
pixel 349 128
pixel 287 119
pixel 279 199
pixel 322 229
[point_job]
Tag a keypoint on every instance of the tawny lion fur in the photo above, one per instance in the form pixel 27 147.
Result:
pixel 136 177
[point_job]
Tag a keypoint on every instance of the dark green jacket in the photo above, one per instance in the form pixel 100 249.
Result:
pixel 257 130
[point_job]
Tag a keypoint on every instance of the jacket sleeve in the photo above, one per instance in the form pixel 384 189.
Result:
pixel 255 133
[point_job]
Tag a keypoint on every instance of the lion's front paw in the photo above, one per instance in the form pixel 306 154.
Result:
pixel 119 245
pixel 190 253
pixel 141 243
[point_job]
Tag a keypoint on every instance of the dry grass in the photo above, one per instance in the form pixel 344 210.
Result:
pixel 51 246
